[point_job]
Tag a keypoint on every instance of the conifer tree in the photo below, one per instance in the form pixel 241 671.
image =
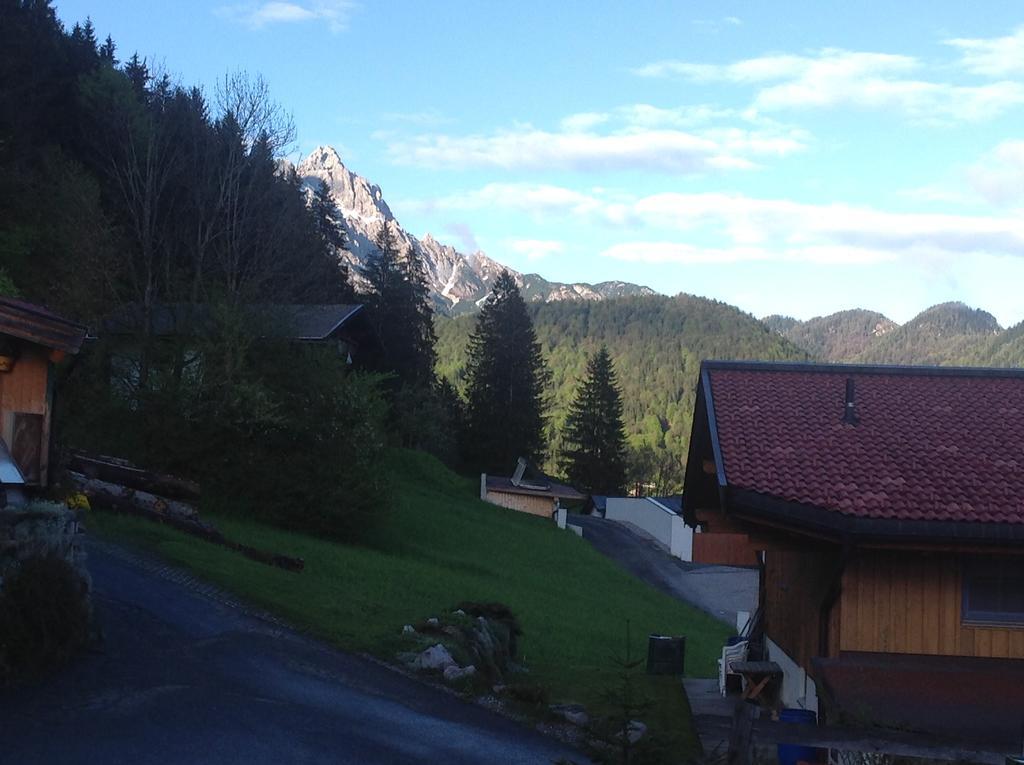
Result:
pixel 507 376
pixel 400 311
pixel 595 453
pixel 327 219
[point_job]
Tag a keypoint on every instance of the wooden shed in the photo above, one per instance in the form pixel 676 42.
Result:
pixel 886 505
pixel 32 340
pixel 528 490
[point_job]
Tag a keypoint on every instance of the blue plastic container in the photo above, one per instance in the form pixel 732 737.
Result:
pixel 791 754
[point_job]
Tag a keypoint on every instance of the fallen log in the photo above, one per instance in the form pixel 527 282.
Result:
pixel 144 501
pixel 122 472
pixel 121 499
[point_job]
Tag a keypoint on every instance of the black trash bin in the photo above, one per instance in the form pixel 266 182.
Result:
pixel 665 655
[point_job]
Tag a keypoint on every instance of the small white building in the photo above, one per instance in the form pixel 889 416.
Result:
pixel 661 517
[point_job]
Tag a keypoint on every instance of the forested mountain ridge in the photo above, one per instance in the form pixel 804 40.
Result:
pixel 945 334
pixel 656 344
pixel 836 337
pixel 458 282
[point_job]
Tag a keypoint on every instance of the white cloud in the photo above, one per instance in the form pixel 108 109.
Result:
pixel 719 227
pixel 790 224
pixel 993 56
pixel 659 252
pixel 535 199
pixel 679 253
pixel 423 118
pixel 532 149
pixel 334 13
pixel 999 175
pixel 578 123
pixel 833 77
pixel 535 249
pixel 641 137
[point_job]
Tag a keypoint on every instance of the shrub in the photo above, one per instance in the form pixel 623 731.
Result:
pixel 44 617
pixel 273 430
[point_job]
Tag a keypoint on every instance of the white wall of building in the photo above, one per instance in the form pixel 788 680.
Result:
pixel 798 689
pixel 656 519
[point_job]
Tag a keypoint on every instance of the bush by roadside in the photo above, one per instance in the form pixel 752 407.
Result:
pixel 44 618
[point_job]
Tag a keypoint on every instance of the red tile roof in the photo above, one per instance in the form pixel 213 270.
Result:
pixel 930 444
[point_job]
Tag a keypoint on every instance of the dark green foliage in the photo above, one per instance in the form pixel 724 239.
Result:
pixel 945 334
pixel 627 705
pixel 44 618
pixel 119 186
pixel 840 336
pixel 399 307
pixel 328 220
pixel 949 333
pixel 594 453
pixel 120 189
pixel 7 286
pixel 275 430
pixel 656 344
pixel 505 384
pixel 779 323
pixel 397 301
pixel 653 471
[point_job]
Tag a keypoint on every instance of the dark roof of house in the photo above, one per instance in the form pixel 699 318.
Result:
pixel 941 445
pixel 534 488
pixel 39 325
pixel 288 321
pixel 673 503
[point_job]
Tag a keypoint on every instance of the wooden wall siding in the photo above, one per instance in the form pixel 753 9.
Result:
pixel 23 389
pixel 724 549
pixel 901 602
pixel 796 582
pixel 525 503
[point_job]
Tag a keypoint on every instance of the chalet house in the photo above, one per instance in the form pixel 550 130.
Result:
pixel 342 325
pixel 176 329
pixel 528 490
pixel 886 506
pixel 32 340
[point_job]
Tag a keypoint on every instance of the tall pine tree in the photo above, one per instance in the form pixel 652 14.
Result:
pixel 399 307
pixel 595 451
pixel 507 376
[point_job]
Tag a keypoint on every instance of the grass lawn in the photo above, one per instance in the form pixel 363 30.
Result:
pixel 443 545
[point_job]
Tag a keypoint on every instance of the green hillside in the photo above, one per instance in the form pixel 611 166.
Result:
pixel 840 336
pixel 437 546
pixel 656 343
pixel 949 333
pixel 945 334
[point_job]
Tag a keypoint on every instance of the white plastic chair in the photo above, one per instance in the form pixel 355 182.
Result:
pixel 730 654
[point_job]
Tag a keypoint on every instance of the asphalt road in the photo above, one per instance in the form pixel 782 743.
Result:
pixel 721 591
pixel 186 676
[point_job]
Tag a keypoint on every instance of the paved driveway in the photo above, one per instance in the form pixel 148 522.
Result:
pixel 186 676
pixel 721 591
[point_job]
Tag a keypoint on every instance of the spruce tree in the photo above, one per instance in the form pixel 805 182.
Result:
pixel 595 452
pixel 507 376
pixel 398 302
pixel 327 219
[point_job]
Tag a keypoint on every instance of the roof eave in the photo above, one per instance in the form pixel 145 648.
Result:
pixel 820 522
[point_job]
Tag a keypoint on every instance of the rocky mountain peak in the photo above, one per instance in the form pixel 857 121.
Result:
pixel 458 282
pixel 354 195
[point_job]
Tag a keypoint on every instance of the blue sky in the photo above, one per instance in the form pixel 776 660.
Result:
pixel 795 157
